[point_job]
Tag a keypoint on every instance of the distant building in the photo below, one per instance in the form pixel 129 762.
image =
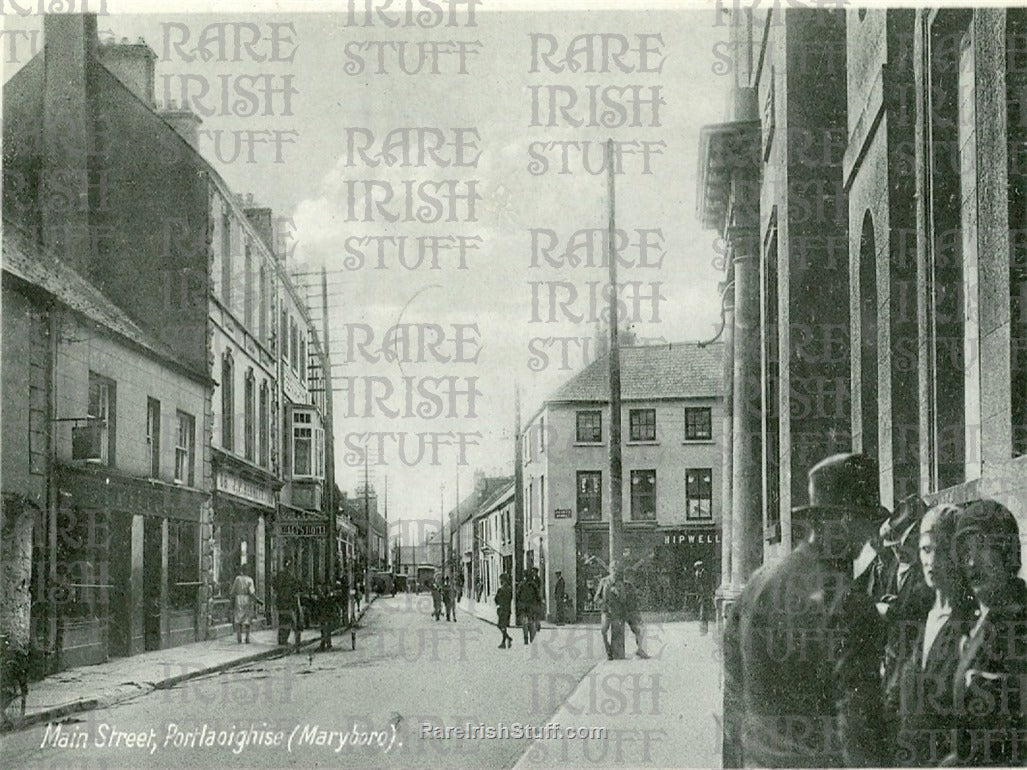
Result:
pixel 671 450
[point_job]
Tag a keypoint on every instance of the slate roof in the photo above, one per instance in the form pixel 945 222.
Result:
pixel 470 505
pixel 651 372
pixel 29 261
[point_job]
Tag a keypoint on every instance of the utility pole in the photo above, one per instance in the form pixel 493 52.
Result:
pixel 442 527
pixel 329 497
pixel 367 519
pixel 518 523
pixel 616 469
pixel 388 543
pixel 459 557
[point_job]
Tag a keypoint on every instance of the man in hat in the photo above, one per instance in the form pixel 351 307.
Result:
pixel 801 648
pixel 703 590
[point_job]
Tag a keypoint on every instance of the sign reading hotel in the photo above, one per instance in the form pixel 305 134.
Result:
pixel 244 488
pixel 302 529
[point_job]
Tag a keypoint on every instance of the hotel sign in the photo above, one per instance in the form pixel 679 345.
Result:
pixel 244 488
pixel 296 528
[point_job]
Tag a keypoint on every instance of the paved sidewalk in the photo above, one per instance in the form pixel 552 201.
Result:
pixel 661 712
pixel 91 687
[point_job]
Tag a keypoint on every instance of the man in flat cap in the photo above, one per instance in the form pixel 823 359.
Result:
pixel 801 648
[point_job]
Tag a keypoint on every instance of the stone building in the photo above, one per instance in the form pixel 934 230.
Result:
pixel 905 132
pixel 770 183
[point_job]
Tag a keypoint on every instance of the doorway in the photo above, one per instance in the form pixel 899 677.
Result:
pixel 153 542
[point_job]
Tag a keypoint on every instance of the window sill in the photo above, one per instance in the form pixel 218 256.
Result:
pixel 699 441
pixel 647 442
pixel 589 443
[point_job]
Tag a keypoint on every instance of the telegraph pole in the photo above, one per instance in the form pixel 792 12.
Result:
pixel 616 469
pixel 329 497
pixel 442 527
pixel 388 542
pixel 459 557
pixel 367 519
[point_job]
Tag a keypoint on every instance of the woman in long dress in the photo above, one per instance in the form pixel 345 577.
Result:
pixel 244 600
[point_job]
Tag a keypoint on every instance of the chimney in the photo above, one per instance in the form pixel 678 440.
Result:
pixel 260 218
pixel 69 45
pixel 185 122
pixel 132 64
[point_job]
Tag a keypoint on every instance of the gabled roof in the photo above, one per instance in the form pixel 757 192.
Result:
pixel 470 505
pixel 650 372
pixel 501 495
pixel 33 264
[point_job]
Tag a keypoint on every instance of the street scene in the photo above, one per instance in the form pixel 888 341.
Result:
pixel 508 384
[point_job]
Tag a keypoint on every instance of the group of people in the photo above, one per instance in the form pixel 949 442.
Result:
pixel 444 593
pixel 529 606
pixel 296 606
pixel 882 639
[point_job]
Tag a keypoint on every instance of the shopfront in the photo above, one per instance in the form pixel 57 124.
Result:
pixel 129 570
pixel 301 537
pixel 658 561
pixel 242 505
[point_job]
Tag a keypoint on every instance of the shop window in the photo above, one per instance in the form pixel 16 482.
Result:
pixel 589 427
pixel 83 564
pixel 183 564
pixel 643 495
pixel 643 424
pixel 590 495
pixel 698 423
pixel 699 493
pixel 227 402
pixel 184 449
pixel 153 435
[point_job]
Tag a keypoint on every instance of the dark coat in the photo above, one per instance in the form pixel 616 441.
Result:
pixel 504 598
pixel 921 698
pixel 988 686
pixel 801 659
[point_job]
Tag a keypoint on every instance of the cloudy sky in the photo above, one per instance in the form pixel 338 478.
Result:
pixel 503 105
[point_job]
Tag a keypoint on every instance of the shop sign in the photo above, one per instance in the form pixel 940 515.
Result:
pixel 302 529
pixel 293 388
pixel 562 513
pixel 130 496
pixel 244 488
pixel 697 537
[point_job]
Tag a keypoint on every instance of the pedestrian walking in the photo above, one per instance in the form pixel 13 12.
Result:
pixel 244 601
pixel 504 598
pixel 449 598
pixel 560 597
pixel 528 601
pixel 478 588
pixel 617 601
pixel 920 696
pixel 991 675
pixel 436 598
pixel 460 587
pixel 801 649
pixel 287 603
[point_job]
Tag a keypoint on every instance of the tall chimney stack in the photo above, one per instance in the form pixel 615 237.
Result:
pixel 69 45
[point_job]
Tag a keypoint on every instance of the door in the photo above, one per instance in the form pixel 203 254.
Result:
pixel 153 542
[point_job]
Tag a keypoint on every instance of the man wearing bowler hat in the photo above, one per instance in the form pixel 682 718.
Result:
pixel 801 648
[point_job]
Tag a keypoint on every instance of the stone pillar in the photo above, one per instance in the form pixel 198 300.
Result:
pixel 746 471
pixel 725 594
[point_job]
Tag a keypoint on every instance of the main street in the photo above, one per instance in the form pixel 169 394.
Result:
pixel 408 674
